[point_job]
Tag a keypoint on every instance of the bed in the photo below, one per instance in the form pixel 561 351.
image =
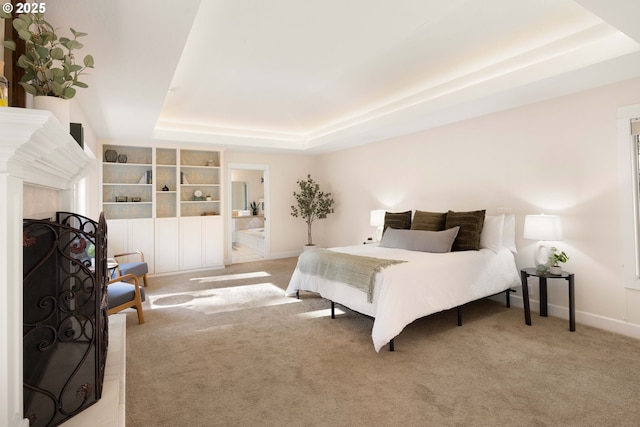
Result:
pixel 423 282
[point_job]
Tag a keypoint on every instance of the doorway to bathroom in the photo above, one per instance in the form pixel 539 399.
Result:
pixel 248 226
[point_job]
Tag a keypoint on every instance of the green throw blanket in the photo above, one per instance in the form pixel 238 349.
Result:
pixel 354 270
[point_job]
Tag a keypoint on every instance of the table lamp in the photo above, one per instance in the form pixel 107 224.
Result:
pixel 542 228
pixel 376 219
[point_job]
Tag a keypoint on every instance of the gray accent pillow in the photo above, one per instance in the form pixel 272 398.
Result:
pixel 420 240
pixel 430 221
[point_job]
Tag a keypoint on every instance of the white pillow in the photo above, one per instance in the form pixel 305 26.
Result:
pixel 509 233
pixel 498 232
pixel 492 232
pixel 420 240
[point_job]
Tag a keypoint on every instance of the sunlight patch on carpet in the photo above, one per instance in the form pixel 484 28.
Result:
pixel 319 313
pixel 240 276
pixel 221 300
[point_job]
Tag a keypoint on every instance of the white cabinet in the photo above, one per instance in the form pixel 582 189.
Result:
pixel 128 235
pixel 165 202
pixel 190 243
pixel 201 242
pixel 212 245
pixel 167 245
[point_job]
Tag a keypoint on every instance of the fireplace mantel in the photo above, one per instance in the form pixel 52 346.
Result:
pixel 34 149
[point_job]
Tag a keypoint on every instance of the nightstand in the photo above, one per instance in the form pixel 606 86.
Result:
pixel 525 273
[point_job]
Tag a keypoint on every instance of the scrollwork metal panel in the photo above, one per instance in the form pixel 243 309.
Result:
pixel 65 323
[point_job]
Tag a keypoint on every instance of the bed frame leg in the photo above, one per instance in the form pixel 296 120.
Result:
pixel 298 294
pixel 391 346
pixel 459 309
pixel 508 292
pixel 333 310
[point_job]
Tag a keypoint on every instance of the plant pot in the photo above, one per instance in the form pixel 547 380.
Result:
pixel 555 269
pixel 59 107
pixel 309 247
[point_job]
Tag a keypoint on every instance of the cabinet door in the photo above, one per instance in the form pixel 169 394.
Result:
pixel 127 235
pixel 190 243
pixel 141 239
pixel 166 245
pixel 117 237
pixel 212 247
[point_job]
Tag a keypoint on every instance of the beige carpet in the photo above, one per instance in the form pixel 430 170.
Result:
pixel 226 348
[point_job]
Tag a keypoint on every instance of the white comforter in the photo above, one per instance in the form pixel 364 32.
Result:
pixel 426 284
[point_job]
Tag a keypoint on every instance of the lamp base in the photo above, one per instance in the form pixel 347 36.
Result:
pixel 378 235
pixel 541 254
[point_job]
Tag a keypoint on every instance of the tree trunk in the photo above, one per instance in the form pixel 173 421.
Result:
pixel 309 233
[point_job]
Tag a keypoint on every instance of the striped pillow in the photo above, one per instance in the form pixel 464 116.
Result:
pixel 399 220
pixel 428 221
pixel 470 224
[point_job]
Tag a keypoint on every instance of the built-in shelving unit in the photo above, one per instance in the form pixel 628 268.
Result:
pixel 165 202
pixel 127 182
pixel 166 183
pixel 199 183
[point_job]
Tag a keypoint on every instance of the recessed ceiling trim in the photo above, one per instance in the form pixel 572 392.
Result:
pixel 595 44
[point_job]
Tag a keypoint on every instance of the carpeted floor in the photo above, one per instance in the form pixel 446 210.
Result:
pixel 226 348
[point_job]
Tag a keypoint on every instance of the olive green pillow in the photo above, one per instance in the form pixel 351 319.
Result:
pixel 399 220
pixel 470 224
pixel 429 221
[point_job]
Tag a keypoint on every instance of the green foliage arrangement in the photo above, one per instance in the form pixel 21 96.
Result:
pixel 556 256
pixel 312 204
pixel 49 62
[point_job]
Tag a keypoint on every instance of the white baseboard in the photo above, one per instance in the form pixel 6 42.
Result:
pixel 582 317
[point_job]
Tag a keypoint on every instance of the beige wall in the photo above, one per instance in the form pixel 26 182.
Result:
pixel 556 157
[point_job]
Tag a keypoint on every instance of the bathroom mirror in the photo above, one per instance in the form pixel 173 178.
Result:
pixel 239 195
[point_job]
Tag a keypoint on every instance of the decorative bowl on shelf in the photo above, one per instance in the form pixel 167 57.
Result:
pixel 121 199
pixel 122 158
pixel 136 199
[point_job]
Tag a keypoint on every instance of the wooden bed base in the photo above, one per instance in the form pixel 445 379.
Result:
pixel 458 309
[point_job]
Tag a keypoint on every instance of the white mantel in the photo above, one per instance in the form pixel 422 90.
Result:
pixel 34 149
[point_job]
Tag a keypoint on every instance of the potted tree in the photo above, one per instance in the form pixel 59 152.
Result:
pixel 51 71
pixel 311 204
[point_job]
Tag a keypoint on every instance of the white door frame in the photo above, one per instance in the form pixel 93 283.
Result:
pixel 267 208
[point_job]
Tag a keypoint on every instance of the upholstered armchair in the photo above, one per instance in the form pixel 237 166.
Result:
pixel 137 268
pixel 123 294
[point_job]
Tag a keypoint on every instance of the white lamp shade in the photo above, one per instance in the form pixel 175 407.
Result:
pixel 376 218
pixel 542 227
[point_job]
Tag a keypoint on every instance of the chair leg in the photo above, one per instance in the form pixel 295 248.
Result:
pixel 144 280
pixel 140 314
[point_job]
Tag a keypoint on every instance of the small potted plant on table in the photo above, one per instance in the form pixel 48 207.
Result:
pixel 555 258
